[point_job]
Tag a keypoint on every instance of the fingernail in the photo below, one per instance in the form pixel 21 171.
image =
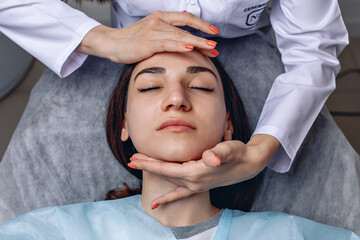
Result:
pixel 218 159
pixel 155 206
pixel 189 46
pixel 132 166
pixel 184 11
pixel 214 29
pixel 214 52
pixel 132 159
pixel 211 43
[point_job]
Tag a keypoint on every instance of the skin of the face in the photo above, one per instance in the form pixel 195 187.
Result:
pixel 174 110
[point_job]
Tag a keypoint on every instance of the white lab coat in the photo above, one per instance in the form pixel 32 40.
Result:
pixel 125 219
pixel 310 35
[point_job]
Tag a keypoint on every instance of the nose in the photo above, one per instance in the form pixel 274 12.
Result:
pixel 177 99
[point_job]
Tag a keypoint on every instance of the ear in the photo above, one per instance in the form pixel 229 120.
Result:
pixel 124 131
pixel 229 128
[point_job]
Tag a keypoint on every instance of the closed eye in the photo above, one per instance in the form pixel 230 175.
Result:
pixel 147 89
pixel 203 88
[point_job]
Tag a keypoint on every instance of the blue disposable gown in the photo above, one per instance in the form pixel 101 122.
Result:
pixel 126 219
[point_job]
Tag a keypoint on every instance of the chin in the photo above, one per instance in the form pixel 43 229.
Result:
pixel 175 150
pixel 182 153
pixel 178 153
pixel 180 159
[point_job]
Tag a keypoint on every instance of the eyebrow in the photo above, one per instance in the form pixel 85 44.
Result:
pixel 198 69
pixel 151 70
pixel 161 70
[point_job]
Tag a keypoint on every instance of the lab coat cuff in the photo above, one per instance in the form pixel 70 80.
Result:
pixel 283 158
pixel 71 59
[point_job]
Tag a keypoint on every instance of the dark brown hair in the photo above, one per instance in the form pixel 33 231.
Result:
pixel 237 196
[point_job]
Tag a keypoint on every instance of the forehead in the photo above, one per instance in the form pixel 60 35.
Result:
pixel 176 61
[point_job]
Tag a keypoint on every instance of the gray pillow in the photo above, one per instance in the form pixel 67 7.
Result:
pixel 58 154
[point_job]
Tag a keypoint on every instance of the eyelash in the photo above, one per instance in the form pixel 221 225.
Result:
pixel 197 88
pixel 147 89
pixel 203 88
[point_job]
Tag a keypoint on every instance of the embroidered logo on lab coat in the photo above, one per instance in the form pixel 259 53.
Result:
pixel 253 17
pixel 254 14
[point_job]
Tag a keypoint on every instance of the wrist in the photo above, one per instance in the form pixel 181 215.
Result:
pixel 94 40
pixel 265 145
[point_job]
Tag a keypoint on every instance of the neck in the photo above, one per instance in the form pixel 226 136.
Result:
pixel 184 212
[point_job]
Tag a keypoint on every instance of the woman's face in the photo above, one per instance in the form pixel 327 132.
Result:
pixel 175 107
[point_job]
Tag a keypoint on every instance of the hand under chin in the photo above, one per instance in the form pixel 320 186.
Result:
pixel 176 154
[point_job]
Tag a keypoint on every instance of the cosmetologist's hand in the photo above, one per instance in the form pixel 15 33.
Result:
pixel 157 32
pixel 229 162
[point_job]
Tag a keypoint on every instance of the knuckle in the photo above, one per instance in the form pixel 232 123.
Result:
pixel 180 34
pixel 190 15
pixel 195 188
pixel 194 178
pixel 203 41
pixel 115 59
pixel 163 44
pixel 226 149
pixel 161 170
pixel 157 13
pixel 177 195
pixel 153 22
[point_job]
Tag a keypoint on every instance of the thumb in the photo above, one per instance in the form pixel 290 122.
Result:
pixel 223 152
pixel 210 158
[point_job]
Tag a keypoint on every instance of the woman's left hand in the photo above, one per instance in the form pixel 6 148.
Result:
pixel 227 163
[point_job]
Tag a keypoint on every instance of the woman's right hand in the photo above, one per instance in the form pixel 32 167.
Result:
pixel 157 32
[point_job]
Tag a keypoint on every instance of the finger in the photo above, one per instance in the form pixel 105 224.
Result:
pixel 177 181
pixel 188 19
pixel 167 31
pixel 177 194
pixel 144 157
pixel 210 53
pixel 188 38
pixel 168 36
pixel 170 46
pixel 167 169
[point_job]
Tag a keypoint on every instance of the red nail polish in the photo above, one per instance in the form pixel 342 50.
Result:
pixel 184 11
pixel 132 166
pixel 214 52
pixel 214 29
pixel 218 159
pixel 211 43
pixel 189 46
pixel 155 206
pixel 132 159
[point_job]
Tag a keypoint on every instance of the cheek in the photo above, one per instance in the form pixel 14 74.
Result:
pixel 215 124
pixel 140 122
pixel 213 113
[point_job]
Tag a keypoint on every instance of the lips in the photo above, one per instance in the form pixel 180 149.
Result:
pixel 176 123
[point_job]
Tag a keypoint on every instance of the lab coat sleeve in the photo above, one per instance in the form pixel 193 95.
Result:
pixel 49 30
pixel 310 35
